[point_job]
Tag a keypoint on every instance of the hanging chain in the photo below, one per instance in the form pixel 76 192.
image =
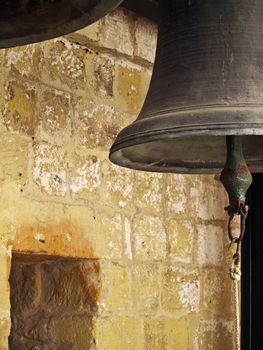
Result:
pixel 235 270
pixel 243 212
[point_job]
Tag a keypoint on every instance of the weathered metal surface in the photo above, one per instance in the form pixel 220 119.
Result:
pixel 27 21
pixel 235 176
pixel 207 83
pixel 146 8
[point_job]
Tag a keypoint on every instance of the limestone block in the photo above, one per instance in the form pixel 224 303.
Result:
pixel 26 288
pixel 146 288
pixel 5 263
pixel 208 198
pixel 210 245
pixel 145 39
pixel 4 285
pixel 181 290
pixel 149 238
pixel 63 65
pixel 100 71
pixel 118 332
pixel 99 233
pixel 43 227
pixel 19 107
pixel 177 189
pixel 29 331
pixel 95 124
pixel 71 333
pixel 116 288
pixel 118 187
pixel 71 286
pixel 116 32
pixel 107 236
pixel 5 329
pixel 217 290
pixel 127 240
pixel 24 60
pixel 181 236
pixel 213 334
pixel 149 191
pixel 14 155
pixel 54 114
pixel 130 86
pixel 166 333
pixel 49 169
pixel 85 176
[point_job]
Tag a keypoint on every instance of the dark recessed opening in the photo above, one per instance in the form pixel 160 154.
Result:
pixel 53 302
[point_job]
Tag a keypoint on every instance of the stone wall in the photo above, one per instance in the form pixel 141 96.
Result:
pixel 159 241
pixel 53 302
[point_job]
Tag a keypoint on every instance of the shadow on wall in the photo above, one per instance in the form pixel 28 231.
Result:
pixel 53 302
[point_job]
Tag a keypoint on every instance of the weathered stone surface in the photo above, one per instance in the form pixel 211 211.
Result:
pixel 53 303
pixel 149 239
pixel 55 113
pixel 177 192
pixel 131 83
pixel 213 334
pixel 63 65
pixel 95 125
pixel 100 71
pixel 25 61
pixel 14 153
pixel 85 176
pixel 71 286
pixel 148 191
pixel 145 39
pixel 116 290
pixel 19 107
pixel 181 290
pixel 166 333
pixel 146 288
pixel 217 292
pixel 26 294
pixel 210 245
pixel 107 236
pixel 208 198
pixel 181 236
pixel 72 333
pixel 98 234
pixel 49 171
pixel 119 332
pixel 119 22
pixel 5 327
pixel 5 257
pixel 118 185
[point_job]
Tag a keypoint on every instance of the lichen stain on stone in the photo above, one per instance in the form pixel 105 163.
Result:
pixel 18 109
pixel 65 238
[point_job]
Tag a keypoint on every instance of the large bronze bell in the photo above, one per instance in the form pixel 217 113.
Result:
pixel 28 21
pixel 207 83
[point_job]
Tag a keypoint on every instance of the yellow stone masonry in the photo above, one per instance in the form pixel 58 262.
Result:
pixel 159 240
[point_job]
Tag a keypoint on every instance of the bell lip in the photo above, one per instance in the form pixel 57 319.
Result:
pixel 19 37
pixel 125 140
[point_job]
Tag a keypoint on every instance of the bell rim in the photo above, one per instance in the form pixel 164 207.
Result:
pixel 182 128
pixel 29 36
pixel 238 125
pixel 115 158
